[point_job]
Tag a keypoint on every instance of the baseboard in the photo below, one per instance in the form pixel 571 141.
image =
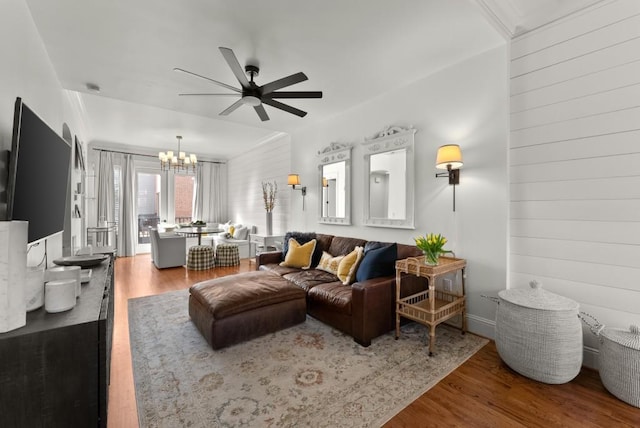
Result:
pixel 481 326
pixel 590 358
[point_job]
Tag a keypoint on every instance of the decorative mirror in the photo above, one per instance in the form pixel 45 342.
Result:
pixel 389 180
pixel 335 184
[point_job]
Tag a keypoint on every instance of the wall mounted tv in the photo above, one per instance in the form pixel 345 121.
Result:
pixel 38 174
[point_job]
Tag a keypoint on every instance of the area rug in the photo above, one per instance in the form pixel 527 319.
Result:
pixel 307 375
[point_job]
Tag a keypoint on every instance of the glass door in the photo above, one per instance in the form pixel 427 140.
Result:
pixel 148 205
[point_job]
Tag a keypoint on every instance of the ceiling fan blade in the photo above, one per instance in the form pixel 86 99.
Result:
pixel 285 107
pixel 294 94
pixel 285 81
pixel 231 59
pixel 224 85
pixel 261 112
pixel 231 108
pixel 184 95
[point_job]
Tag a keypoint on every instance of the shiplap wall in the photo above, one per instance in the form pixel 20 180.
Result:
pixel 575 161
pixel 270 161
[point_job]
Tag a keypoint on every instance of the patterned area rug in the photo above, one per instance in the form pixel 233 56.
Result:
pixel 307 375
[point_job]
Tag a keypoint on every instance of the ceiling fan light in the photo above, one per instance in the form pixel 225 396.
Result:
pixel 252 101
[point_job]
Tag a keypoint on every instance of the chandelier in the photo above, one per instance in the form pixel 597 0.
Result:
pixel 179 161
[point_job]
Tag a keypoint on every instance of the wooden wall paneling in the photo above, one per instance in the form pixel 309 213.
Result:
pixel 620 76
pixel 582 292
pixel 583 107
pixel 621 165
pixel 604 13
pixel 606 123
pixel 614 210
pixel 596 189
pixel 579 251
pixel 601 38
pixel 616 55
pixel 575 161
pixel 588 147
pixel 611 317
pixel 611 276
pixel 267 162
pixel 626 233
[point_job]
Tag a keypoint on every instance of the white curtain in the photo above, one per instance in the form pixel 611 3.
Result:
pixel 210 202
pixel 127 233
pixel 105 188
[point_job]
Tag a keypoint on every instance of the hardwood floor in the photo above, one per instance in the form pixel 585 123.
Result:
pixel 483 392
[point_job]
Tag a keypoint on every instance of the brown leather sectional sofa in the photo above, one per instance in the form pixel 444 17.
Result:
pixel 364 309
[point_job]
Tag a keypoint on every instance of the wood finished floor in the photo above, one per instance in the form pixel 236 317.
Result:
pixel 483 392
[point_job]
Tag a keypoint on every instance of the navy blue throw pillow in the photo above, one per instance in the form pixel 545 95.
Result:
pixel 378 262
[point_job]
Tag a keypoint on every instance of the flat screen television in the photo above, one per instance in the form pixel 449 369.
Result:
pixel 38 181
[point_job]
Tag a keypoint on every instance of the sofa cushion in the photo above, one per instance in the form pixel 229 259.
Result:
pixel 333 294
pixel 378 262
pixel 341 246
pixel 323 242
pixel 299 256
pixel 308 279
pixel 328 263
pixel 241 233
pixel 348 266
pixel 277 269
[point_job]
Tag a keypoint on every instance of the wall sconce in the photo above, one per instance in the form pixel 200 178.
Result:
pixel 325 182
pixel 294 180
pixel 450 158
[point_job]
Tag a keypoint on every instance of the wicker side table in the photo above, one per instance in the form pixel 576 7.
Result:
pixel 432 306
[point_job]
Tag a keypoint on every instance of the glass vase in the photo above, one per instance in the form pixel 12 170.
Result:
pixel 430 259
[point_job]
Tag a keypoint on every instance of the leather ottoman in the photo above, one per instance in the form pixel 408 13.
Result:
pixel 236 308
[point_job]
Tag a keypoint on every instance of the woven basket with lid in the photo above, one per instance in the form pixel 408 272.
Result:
pixel 538 334
pixel 618 360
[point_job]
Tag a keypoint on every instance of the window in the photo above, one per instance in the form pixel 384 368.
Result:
pixel 184 186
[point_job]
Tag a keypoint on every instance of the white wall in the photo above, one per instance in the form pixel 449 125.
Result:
pixel 270 161
pixel 575 161
pixel 26 72
pixel 464 104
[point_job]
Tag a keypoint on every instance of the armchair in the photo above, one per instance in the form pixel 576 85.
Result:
pixel 167 250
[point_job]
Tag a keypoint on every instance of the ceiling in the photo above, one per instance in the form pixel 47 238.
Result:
pixel 351 50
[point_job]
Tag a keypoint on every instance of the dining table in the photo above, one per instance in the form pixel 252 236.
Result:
pixel 196 231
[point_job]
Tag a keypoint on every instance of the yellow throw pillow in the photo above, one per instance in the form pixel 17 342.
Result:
pixel 299 256
pixel 330 264
pixel 231 230
pixel 349 265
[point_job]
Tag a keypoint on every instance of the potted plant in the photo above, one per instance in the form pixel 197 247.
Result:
pixel 432 247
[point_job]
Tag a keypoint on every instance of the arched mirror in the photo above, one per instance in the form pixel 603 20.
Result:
pixel 388 185
pixel 335 183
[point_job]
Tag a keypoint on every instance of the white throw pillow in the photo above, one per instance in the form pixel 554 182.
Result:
pixel 241 233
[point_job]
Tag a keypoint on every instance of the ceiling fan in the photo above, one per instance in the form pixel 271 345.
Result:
pixel 253 95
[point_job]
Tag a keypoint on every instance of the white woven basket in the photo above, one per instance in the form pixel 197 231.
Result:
pixel 619 360
pixel 539 335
